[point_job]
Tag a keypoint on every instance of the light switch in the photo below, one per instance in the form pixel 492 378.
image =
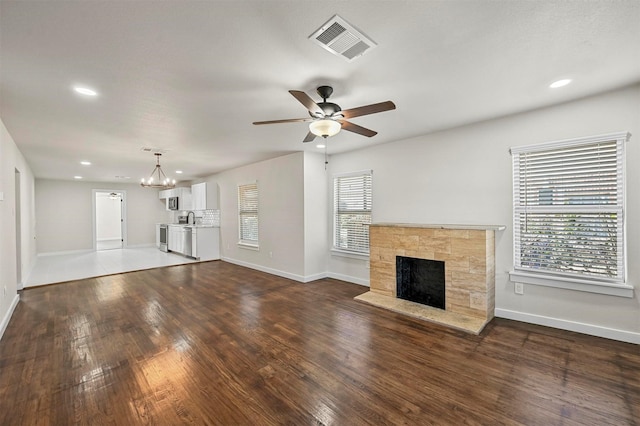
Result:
pixel 1 196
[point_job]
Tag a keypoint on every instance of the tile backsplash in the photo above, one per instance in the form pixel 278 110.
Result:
pixel 210 217
pixel 203 217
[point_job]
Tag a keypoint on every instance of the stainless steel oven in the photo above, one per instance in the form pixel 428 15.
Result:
pixel 163 244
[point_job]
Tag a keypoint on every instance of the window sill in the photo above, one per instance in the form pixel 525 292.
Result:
pixel 349 254
pixel 547 280
pixel 249 246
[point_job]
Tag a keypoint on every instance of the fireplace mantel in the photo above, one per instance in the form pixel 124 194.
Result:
pixel 468 252
pixel 441 226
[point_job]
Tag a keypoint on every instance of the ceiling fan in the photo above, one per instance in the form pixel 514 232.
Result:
pixel 327 119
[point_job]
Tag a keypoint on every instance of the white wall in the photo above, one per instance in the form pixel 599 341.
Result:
pixel 10 160
pixel 316 205
pixel 463 176
pixel 281 215
pixel 64 213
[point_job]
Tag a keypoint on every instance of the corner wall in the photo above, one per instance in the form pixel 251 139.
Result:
pixel 10 160
pixel 281 215
pixel 463 176
pixel 316 205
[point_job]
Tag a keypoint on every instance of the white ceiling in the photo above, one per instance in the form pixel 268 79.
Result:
pixel 189 77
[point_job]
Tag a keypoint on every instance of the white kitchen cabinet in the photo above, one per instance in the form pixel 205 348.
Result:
pixel 205 243
pixel 183 194
pixel 199 196
pixel 204 196
pixel 176 242
pixel 184 199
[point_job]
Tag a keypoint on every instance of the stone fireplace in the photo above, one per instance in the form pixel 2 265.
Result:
pixel 467 255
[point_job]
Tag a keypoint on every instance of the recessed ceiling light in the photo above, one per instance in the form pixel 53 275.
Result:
pixel 85 163
pixel 85 91
pixel 179 172
pixel 320 145
pixel 560 83
pixel 77 177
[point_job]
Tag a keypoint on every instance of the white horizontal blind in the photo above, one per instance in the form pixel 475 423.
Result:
pixel 248 213
pixel 352 212
pixel 569 208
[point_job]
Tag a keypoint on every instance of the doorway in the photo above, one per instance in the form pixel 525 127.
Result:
pixel 18 214
pixel 109 219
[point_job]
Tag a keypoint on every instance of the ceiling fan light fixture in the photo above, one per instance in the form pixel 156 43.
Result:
pixel 325 127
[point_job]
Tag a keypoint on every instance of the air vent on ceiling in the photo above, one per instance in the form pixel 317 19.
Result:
pixel 342 39
pixel 152 149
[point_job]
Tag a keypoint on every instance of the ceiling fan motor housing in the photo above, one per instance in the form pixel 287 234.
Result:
pixel 324 92
pixel 329 108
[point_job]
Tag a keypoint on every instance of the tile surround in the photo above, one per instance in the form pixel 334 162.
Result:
pixel 469 255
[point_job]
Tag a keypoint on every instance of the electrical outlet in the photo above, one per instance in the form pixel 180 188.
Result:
pixel 519 288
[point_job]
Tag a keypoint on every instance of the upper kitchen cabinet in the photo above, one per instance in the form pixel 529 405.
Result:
pixel 204 196
pixel 184 197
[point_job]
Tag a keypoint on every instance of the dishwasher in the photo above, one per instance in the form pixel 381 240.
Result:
pixel 186 240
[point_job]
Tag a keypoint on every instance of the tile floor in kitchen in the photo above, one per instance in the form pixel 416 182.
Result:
pixel 51 269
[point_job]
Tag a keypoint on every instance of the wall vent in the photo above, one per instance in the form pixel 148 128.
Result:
pixel 342 39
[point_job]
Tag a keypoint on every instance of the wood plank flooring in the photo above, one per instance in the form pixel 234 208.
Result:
pixel 217 344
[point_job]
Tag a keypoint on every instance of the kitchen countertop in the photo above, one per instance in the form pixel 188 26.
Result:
pixel 184 225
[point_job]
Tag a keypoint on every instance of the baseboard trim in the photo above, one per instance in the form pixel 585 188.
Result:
pixel 261 268
pixel 315 277
pixel 58 253
pixel 296 277
pixel 593 330
pixel 7 317
pixel 349 279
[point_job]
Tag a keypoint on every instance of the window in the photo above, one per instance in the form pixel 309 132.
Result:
pixel 569 217
pixel 352 196
pixel 248 214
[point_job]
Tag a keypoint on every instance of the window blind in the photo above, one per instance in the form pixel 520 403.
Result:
pixel 569 208
pixel 248 213
pixel 352 212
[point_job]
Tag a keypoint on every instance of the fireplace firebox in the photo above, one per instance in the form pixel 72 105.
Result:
pixel 421 281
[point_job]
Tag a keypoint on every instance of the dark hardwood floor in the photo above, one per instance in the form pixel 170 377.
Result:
pixel 214 343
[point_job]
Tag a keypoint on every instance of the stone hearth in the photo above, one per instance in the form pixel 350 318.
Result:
pixel 468 252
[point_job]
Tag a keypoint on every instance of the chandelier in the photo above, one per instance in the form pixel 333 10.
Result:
pixel 158 179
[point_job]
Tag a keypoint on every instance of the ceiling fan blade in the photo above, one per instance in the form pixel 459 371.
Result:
pixel 305 100
pixel 287 120
pixel 309 138
pixel 368 109
pixel 346 125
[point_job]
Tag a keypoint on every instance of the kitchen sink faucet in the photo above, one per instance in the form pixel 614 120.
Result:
pixel 194 218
